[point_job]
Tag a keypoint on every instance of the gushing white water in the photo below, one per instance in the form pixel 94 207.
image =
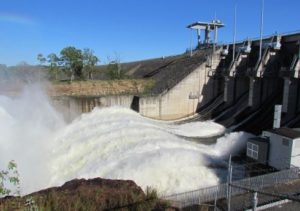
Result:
pixel 114 143
pixel 197 129
pixel 27 126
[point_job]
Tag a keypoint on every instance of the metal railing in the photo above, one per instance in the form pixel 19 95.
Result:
pixel 213 193
pixel 264 37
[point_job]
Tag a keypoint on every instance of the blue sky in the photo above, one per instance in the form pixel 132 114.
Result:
pixel 132 29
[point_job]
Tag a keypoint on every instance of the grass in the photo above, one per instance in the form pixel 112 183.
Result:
pixel 89 195
pixel 101 87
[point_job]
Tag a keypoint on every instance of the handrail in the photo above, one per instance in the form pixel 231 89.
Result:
pixel 264 37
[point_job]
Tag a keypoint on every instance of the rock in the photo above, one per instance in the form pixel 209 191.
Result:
pixel 81 194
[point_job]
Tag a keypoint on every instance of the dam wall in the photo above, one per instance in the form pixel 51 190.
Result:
pixel 249 86
pixel 270 79
pixel 233 91
pixel 72 107
pixel 184 98
pixel 181 101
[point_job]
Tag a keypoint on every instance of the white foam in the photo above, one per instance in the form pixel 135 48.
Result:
pixel 27 124
pixel 197 129
pixel 118 143
pixel 231 143
pixel 115 143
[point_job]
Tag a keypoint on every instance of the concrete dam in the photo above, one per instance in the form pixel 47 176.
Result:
pixel 208 83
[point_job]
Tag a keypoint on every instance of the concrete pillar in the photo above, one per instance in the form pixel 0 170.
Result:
pixel 216 35
pixel 94 103
pixel 215 38
pixel 86 105
pixel 277 116
pixel 99 102
pixel 286 90
pixel 199 37
pixel 82 104
pixel 290 93
pixel 229 90
pixel 255 201
pixel 207 31
pixel 254 92
pixel 89 105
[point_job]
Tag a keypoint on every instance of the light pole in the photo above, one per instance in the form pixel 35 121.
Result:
pixel 234 33
pixel 261 28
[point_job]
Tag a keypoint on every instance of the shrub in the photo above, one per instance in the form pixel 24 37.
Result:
pixel 9 176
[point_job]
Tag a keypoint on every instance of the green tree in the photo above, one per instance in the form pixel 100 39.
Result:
pixel 72 60
pixel 89 62
pixel 114 68
pixel 54 62
pixel 10 175
pixel 41 59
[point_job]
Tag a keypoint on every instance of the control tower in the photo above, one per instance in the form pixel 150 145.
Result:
pixel 207 27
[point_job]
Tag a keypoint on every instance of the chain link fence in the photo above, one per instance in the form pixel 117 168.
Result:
pixel 214 193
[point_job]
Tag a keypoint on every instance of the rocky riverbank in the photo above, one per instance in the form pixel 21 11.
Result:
pixel 93 194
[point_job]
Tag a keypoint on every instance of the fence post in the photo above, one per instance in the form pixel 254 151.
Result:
pixel 229 180
pixel 216 198
pixel 254 201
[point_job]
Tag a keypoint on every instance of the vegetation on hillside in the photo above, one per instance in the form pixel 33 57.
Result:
pixel 76 63
pixel 79 64
pixel 114 71
pixel 92 194
pixel 9 177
